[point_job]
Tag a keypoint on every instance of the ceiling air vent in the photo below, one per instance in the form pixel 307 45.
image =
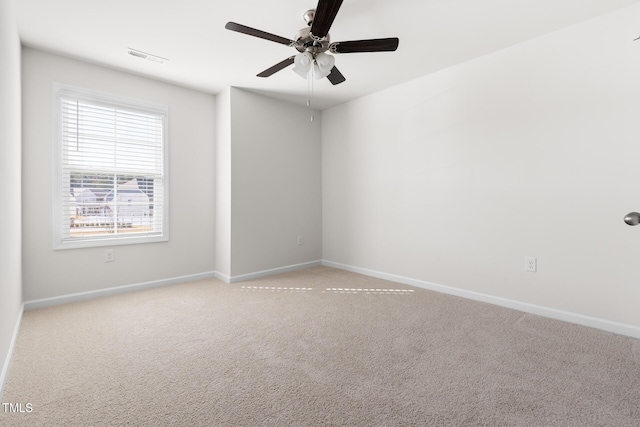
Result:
pixel 144 55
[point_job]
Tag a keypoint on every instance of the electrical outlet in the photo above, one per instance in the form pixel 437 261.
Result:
pixel 109 255
pixel 530 264
pixel 299 240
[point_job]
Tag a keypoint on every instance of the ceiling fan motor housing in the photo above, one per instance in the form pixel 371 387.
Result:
pixel 305 42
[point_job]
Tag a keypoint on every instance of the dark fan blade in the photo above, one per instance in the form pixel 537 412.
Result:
pixel 257 33
pixel 326 12
pixel 336 77
pixel 373 45
pixel 279 66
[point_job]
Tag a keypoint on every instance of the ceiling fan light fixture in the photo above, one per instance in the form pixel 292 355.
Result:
pixel 323 66
pixel 302 64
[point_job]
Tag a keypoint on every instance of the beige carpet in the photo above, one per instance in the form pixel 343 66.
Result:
pixel 315 347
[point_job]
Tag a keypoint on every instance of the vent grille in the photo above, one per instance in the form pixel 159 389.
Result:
pixel 138 54
pixel 144 55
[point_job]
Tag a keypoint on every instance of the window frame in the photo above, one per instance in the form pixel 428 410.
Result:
pixel 61 90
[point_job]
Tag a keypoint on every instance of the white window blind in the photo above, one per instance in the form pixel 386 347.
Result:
pixel 111 186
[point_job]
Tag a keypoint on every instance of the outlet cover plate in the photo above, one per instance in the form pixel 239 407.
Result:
pixel 530 264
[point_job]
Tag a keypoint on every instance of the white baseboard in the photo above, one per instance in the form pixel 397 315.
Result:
pixel 271 272
pixel 580 319
pixel 64 299
pixel 223 277
pixel 7 361
pixel 566 316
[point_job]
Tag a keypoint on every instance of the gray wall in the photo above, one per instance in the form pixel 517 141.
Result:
pixel 190 251
pixel 454 178
pixel 276 192
pixel 245 181
pixel 223 184
pixel 10 177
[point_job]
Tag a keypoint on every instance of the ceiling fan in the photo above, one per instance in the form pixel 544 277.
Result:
pixel 313 42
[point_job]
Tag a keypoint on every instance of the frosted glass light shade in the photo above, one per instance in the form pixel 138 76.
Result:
pixel 323 66
pixel 302 64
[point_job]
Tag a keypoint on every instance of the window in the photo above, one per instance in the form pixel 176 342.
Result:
pixel 110 184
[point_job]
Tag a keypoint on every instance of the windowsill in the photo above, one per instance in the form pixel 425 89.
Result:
pixel 115 241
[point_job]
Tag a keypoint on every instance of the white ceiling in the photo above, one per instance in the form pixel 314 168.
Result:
pixel 434 34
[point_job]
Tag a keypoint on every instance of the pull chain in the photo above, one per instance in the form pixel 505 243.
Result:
pixel 310 79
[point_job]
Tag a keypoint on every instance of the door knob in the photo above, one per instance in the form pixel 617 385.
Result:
pixel 632 218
